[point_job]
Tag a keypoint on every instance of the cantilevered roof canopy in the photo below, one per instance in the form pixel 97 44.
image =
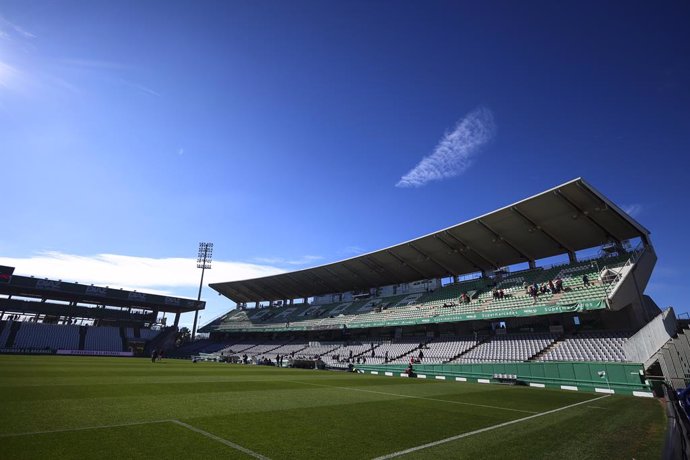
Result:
pixel 58 290
pixel 567 218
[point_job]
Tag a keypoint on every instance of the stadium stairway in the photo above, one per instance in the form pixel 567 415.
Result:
pixel 13 334
pixel 412 353
pixel 82 337
pixel 123 337
pixel 368 351
pixel 548 348
pixel 480 340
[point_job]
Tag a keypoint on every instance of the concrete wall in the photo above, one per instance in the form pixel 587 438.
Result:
pixel 642 347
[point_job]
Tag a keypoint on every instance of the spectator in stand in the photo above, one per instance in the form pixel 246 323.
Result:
pixel 559 284
pixel 410 370
pixel 525 286
pixel 421 355
pixel 585 280
pixel 551 287
pixel 543 289
pixel 386 357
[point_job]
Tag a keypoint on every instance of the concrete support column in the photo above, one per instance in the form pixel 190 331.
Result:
pixel 532 264
pixel 177 319
pixel 572 257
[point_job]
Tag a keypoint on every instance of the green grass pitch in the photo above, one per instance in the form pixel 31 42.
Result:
pixel 78 407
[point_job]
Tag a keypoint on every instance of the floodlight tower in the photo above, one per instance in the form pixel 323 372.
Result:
pixel 203 262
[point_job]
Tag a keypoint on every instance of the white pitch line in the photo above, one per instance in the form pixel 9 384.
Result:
pixel 417 397
pixel 251 453
pixel 67 430
pixel 177 422
pixel 482 430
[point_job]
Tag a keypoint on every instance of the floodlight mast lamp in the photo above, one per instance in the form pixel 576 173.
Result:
pixel 203 262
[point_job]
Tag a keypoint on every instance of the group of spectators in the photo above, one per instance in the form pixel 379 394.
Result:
pixel 535 289
pixel 499 294
pixel 358 360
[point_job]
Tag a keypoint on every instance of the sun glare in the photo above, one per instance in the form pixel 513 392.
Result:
pixel 7 73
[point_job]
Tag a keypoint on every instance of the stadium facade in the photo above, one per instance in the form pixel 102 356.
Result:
pixel 46 316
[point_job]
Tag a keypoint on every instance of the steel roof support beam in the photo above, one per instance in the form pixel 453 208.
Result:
pixel 382 280
pixel 457 251
pixel 466 247
pixel 381 270
pixel 324 282
pixel 373 270
pixel 243 296
pixel 508 243
pixel 297 283
pixel 577 209
pixel 274 292
pixel 407 264
pixel 358 276
pixel 428 257
pixel 297 292
pixel 240 292
pixel 603 204
pixel 377 269
pixel 541 229
pixel 337 277
pixel 254 295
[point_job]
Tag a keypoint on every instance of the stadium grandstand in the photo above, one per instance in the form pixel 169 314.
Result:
pixel 545 297
pixel 44 316
pixel 548 291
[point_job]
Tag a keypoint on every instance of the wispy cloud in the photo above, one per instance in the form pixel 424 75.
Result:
pixel 141 88
pixel 91 64
pixel 164 275
pixel 8 28
pixel 453 154
pixel 304 260
pixel 8 74
pixel 634 209
pixel 351 250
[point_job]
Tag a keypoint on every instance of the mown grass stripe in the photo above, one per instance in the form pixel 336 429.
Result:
pixel 482 430
pixel 84 428
pixel 418 397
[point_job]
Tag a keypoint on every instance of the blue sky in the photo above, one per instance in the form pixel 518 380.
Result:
pixel 130 131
